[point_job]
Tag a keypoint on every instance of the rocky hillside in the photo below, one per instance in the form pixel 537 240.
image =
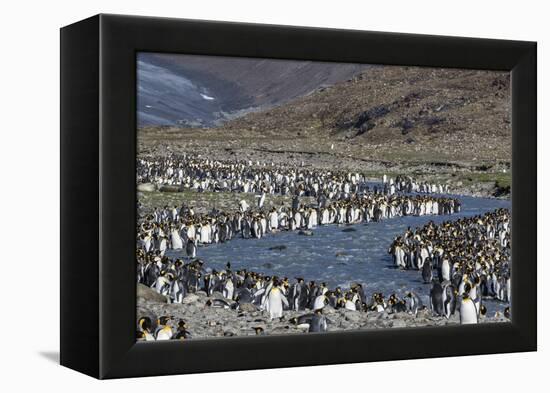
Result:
pixel 446 108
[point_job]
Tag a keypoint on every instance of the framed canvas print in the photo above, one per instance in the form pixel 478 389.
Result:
pixel 321 196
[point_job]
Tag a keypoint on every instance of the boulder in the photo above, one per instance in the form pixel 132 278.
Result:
pixel 219 295
pixel 277 248
pixel 328 310
pixel 167 188
pixel 247 307
pixel 353 316
pixel 343 324
pixel 305 232
pixel 399 323
pixel 149 294
pixel 190 298
pixel 424 313
pixel 146 187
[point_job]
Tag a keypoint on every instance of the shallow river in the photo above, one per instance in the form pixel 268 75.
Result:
pixel 339 255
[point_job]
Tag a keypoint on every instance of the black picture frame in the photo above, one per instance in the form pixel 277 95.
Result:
pixel 98 194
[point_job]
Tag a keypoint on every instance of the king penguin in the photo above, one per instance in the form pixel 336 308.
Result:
pixel 318 322
pixel 449 299
pixel 427 273
pixel 164 331
pixel 507 313
pixel 182 333
pixel 413 302
pixel 191 248
pixel 320 302
pixel 146 326
pixel 468 311
pixel 275 300
pixel 436 299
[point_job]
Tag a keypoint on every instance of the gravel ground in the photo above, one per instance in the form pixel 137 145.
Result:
pixel 208 322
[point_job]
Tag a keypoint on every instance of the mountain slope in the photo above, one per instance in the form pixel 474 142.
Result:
pixel 397 104
pixel 187 90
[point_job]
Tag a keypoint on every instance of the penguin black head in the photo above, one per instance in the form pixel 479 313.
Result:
pixel 140 336
pixel 483 310
pixel 507 312
pixel 145 323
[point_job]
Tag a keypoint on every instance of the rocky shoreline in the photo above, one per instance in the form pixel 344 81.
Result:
pixel 204 322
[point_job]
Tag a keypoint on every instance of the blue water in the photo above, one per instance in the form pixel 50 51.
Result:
pixel 363 253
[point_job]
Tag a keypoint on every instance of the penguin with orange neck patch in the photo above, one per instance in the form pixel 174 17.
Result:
pixel 181 331
pixel 145 329
pixel 468 309
pixel 275 300
pixel 164 330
